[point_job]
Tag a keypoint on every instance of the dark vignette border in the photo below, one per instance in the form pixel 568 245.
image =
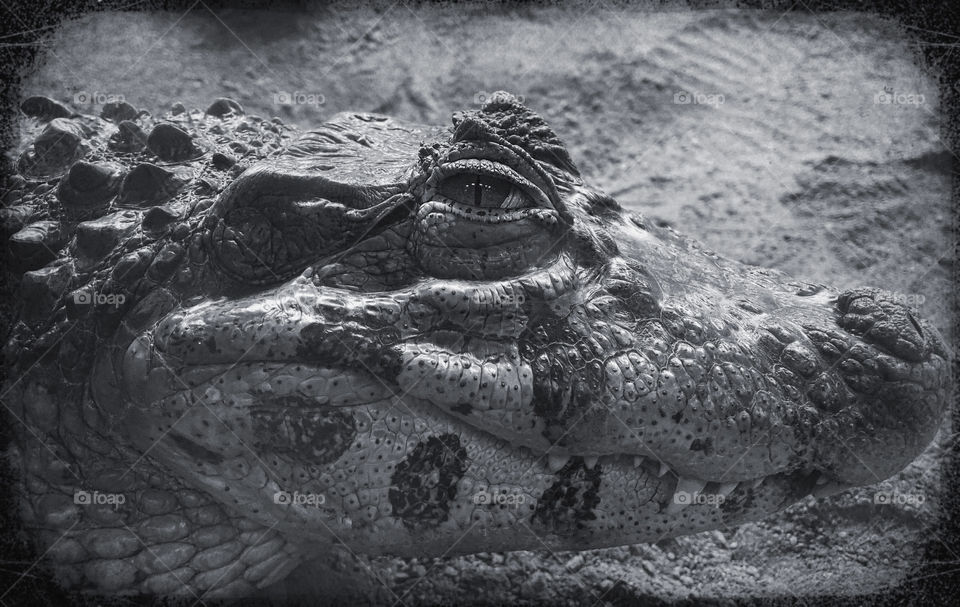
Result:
pixel 934 26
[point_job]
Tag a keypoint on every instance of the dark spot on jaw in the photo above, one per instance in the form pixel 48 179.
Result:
pixel 319 436
pixel 322 344
pixel 388 362
pixel 737 504
pixel 462 409
pixel 424 484
pixel 211 344
pixel 569 502
pixel 705 445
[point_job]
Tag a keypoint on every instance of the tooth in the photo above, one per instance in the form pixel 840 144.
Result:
pixel 590 461
pixel 693 486
pixel 637 460
pixel 556 462
pixel 823 480
pixel 663 469
pixel 690 488
pixel 726 489
pixel 828 489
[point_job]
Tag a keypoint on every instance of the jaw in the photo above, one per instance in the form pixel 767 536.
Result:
pixel 403 409
pixel 613 398
pixel 402 454
pixel 397 475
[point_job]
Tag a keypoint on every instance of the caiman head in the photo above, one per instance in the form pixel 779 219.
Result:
pixel 427 341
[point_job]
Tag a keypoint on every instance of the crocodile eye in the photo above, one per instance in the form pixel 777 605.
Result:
pixel 483 191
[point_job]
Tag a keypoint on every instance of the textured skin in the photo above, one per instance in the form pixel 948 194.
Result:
pixel 401 321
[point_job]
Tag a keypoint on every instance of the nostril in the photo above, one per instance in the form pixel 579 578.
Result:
pixel 878 318
pixel 915 324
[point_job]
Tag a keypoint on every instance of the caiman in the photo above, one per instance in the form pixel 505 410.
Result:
pixel 237 345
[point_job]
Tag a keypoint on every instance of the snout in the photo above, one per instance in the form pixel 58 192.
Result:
pixel 895 377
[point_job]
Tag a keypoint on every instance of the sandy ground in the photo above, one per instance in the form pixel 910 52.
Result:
pixel 806 143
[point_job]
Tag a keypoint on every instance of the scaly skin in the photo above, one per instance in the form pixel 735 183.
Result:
pixel 400 321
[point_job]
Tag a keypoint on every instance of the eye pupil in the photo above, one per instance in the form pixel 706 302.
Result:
pixel 479 190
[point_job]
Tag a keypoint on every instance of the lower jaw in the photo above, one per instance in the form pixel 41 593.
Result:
pixel 587 503
pixel 515 529
pixel 745 505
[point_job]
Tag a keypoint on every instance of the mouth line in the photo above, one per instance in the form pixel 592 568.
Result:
pixel 656 467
